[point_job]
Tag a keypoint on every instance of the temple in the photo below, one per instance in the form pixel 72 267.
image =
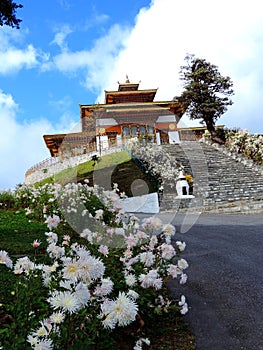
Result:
pixel 127 112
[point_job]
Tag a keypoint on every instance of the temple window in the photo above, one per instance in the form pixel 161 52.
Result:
pixel 150 130
pixel 142 130
pixel 134 131
pixel 125 131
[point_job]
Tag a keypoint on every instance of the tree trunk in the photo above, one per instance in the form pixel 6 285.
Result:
pixel 211 128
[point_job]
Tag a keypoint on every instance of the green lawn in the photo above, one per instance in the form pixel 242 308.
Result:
pixel 112 168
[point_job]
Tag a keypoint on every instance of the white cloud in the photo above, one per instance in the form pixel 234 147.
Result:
pixel 22 144
pixel 61 36
pixel 13 58
pixel 96 62
pixel 226 33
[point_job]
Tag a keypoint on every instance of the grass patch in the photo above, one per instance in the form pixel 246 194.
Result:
pixel 78 172
pixel 17 233
pixel 112 168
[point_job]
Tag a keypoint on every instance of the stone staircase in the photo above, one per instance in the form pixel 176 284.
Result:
pixel 221 183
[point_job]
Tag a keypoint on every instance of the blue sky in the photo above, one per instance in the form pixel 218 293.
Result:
pixel 68 51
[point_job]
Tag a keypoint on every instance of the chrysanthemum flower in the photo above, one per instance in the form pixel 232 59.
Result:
pixel 43 344
pixel 184 305
pixel 52 221
pixel 121 311
pixel 130 280
pixel 103 249
pixel 23 265
pixel 71 270
pixel 173 270
pixel 67 301
pixel 181 245
pixel 105 288
pixel 147 258
pixel 168 251
pixel 169 229
pixel 91 268
pixel 4 259
pixel 57 317
pixel 182 264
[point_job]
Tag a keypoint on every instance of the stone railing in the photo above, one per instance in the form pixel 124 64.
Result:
pixel 53 165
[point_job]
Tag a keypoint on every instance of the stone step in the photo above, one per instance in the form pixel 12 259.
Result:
pixel 218 178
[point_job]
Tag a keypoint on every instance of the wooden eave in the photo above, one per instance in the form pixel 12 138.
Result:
pixel 53 142
pixel 174 107
pixel 128 87
pixel 115 97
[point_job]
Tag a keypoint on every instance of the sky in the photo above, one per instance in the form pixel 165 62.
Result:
pixel 67 52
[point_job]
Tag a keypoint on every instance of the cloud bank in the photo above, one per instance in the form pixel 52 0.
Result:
pixel 18 143
pixel 226 33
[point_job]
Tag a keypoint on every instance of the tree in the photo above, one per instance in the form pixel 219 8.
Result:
pixel 206 92
pixel 8 13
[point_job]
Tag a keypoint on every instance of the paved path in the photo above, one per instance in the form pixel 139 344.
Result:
pixel 225 281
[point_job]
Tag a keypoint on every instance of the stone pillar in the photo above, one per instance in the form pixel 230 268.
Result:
pixel 158 139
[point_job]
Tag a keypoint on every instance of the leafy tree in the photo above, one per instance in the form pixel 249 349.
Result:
pixel 206 92
pixel 8 13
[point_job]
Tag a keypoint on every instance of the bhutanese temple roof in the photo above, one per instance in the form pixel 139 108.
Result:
pixel 129 93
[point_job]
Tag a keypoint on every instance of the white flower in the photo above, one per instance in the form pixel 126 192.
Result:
pixel 52 221
pixel 105 288
pixel 4 259
pixel 182 264
pixel 103 249
pixel 67 301
pixel 139 343
pixel 131 241
pixel 157 283
pixel 121 311
pixel 91 268
pixel 71 270
pixel 45 344
pixel 173 270
pixel 183 304
pixel 57 317
pixel 23 265
pixel 184 309
pixel 132 294
pixel 168 251
pixel 52 237
pixel 169 229
pixel 41 332
pixel 119 231
pixel 99 214
pixel 82 294
pixel 32 340
pixel 181 245
pixel 147 258
pixel 152 223
pixel 183 278
pixel 148 280
pixel 130 280
pixel 55 251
